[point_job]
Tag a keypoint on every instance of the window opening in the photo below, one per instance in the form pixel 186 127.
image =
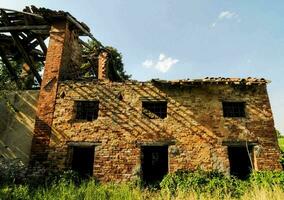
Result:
pixel 234 109
pixel 87 110
pixel 154 109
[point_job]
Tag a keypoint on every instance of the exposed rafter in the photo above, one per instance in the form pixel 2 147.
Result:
pixel 16 38
pixel 24 28
pixel 22 36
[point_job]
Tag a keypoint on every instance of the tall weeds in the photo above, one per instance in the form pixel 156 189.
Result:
pixel 177 186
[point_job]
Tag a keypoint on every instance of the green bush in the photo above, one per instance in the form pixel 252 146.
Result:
pixel 282 157
pixel 267 178
pixel 16 192
pixel 202 181
pixel 210 182
pixel 11 171
pixel 14 172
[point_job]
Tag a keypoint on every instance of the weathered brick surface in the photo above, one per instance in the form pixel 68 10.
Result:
pixel 58 61
pixel 195 127
pixel 102 66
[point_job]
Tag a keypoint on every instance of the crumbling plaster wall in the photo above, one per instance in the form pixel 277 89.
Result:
pixel 17 117
pixel 195 127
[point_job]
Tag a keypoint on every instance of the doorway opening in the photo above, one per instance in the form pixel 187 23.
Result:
pixel 240 158
pixel 154 163
pixel 83 160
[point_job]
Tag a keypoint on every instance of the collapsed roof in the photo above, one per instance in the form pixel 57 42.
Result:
pixel 22 35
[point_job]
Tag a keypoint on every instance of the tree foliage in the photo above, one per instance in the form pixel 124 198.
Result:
pixel 279 134
pixel 91 53
pixel 6 81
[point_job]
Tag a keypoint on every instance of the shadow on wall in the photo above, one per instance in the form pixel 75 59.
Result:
pixel 206 106
pixel 176 111
pixel 126 114
pixel 17 117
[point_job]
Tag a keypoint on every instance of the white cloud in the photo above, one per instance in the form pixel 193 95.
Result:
pixel 148 63
pixel 163 63
pixel 226 15
pixel 162 57
pixel 213 24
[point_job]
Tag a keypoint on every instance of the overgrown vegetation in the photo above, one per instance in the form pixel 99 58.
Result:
pixel 38 184
pixel 182 185
pixel 281 145
pixel 115 64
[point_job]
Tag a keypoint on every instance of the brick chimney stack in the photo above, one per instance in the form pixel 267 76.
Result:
pixel 103 66
pixel 57 56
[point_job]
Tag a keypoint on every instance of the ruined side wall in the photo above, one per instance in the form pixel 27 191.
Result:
pixel 195 127
pixel 17 117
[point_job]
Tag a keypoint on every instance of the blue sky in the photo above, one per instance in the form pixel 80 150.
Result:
pixel 176 39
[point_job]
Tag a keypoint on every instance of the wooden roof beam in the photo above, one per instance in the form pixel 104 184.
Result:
pixel 24 28
pixel 39 38
pixel 22 49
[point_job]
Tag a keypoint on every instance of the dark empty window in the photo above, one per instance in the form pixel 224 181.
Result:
pixel 234 109
pixel 154 109
pixel 87 110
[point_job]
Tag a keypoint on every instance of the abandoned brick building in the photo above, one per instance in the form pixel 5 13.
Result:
pixel 123 130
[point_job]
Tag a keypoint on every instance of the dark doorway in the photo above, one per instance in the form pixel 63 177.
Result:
pixel 240 162
pixel 154 163
pixel 83 160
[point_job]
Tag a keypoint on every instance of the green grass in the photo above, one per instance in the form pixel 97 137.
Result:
pixel 92 191
pixel 281 143
pixel 177 186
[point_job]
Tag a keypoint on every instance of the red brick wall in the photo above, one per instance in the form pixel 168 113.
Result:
pixel 195 126
pixel 56 58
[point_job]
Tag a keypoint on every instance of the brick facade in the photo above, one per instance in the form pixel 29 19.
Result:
pixel 195 129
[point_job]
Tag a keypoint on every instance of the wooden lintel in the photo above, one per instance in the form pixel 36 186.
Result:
pixel 156 143
pixel 233 143
pixel 83 144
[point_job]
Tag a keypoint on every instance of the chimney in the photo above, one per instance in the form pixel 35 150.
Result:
pixel 103 66
pixel 56 57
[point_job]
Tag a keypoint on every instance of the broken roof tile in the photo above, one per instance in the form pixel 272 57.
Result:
pixel 217 80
